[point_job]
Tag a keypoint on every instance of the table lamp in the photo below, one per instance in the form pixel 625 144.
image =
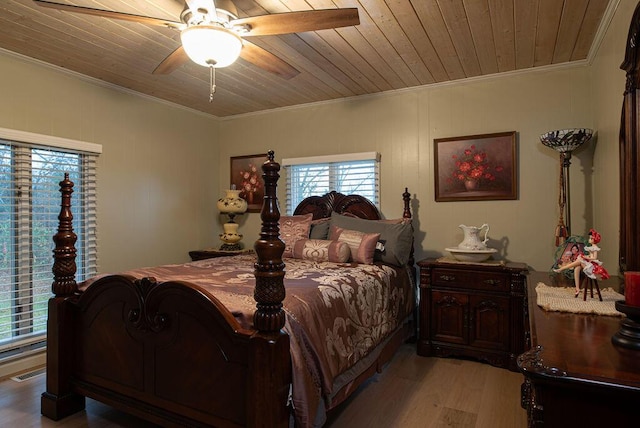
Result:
pixel 231 205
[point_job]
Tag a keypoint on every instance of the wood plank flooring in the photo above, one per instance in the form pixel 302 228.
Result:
pixel 412 391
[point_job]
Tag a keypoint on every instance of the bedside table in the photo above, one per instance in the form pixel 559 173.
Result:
pixel 211 253
pixel 475 310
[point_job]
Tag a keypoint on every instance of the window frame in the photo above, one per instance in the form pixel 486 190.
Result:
pixel 21 148
pixel 332 163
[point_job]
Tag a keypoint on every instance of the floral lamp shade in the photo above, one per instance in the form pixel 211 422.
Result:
pixel 566 140
pixel 232 203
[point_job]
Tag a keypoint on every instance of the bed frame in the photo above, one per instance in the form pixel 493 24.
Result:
pixel 171 353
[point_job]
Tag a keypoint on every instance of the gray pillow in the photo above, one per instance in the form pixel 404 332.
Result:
pixel 396 238
pixel 319 229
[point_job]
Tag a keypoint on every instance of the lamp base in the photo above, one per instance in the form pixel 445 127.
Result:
pixel 231 247
pixel 629 334
pixel 231 238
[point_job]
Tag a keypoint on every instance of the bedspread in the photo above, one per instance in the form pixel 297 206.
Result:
pixel 337 314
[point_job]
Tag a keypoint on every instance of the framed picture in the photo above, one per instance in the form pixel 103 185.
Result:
pixel 246 174
pixel 569 253
pixel 476 167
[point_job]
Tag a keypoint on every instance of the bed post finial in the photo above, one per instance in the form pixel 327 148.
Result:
pixel 269 269
pixel 406 197
pixel 64 254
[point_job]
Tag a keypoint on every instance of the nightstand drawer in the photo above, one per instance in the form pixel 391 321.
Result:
pixel 489 281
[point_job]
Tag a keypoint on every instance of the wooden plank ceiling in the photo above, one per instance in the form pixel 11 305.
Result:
pixel 398 44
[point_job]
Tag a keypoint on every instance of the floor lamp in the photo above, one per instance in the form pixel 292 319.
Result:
pixel 565 141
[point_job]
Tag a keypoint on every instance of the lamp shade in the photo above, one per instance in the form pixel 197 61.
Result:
pixel 211 45
pixel 232 203
pixel 566 140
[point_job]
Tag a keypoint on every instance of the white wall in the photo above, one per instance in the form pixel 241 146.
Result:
pixel 402 127
pixel 174 162
pixel 157 175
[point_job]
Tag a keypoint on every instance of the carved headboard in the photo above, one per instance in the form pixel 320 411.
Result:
pixel 356 205
pixel 323 206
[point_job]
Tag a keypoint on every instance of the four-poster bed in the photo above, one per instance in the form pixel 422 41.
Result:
pixel 170 346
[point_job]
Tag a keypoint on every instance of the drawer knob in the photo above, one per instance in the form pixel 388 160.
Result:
pixel 447 277
pixel 492 281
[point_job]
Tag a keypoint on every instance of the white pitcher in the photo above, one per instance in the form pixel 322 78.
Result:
pixel 471 239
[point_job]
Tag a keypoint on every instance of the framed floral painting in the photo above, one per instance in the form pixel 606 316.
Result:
pixel 246 175
pixel 476 167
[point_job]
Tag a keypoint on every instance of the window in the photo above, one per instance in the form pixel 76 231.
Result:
pixel 31 167
pixel 356 173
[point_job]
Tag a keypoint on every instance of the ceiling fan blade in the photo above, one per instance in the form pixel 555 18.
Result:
pixel 176 59
pixel 298 22
pixel 267 61
pixel 109 14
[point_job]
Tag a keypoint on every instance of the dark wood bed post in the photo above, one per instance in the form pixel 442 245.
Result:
pixel 269 269
pixel 64 253
pixel 406 213
pixel 57 401
pixel 270 346
pixel 630 152
pixel 406 198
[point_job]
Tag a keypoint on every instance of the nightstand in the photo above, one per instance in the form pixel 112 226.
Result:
pixel 474 310
pixel 211 253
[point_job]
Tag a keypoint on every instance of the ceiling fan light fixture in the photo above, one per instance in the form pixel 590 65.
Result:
pixel 211 45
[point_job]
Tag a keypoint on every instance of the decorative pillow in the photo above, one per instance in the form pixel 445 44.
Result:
pixel 320 228
pixel 321 250
pixel 394 220
pixel 384 220
pixel 397 238
pixel 401 220
pixel 293 228
pixel 362 245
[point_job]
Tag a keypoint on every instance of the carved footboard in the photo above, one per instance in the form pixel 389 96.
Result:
pixel 170 352
pixel 167 352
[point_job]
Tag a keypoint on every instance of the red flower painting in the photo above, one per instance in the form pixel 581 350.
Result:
pixel 476 167
pixel 473 165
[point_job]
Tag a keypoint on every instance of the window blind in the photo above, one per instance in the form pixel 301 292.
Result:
pixel 356 173
pixel 29 207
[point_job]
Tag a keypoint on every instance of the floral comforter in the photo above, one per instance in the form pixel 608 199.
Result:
pixel 337 316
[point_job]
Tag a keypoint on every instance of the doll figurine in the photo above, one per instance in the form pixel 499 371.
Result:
pixel 587 263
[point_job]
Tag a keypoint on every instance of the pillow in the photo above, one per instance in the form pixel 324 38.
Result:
pixel 321 250
pixel 397 238
pixel 390 221
pixel 320 228
pixel 394 220
pixel 385 220
pixel 362 245
pixel 293 228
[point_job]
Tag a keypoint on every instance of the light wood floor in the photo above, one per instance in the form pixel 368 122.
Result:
pixel 412 391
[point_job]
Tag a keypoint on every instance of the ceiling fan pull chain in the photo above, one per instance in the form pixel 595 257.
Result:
pixel 212 80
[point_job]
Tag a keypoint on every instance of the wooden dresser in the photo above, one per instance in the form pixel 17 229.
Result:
pixel 473 310
pixel 574 375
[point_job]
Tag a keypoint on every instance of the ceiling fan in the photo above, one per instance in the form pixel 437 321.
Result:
pixel 214 36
